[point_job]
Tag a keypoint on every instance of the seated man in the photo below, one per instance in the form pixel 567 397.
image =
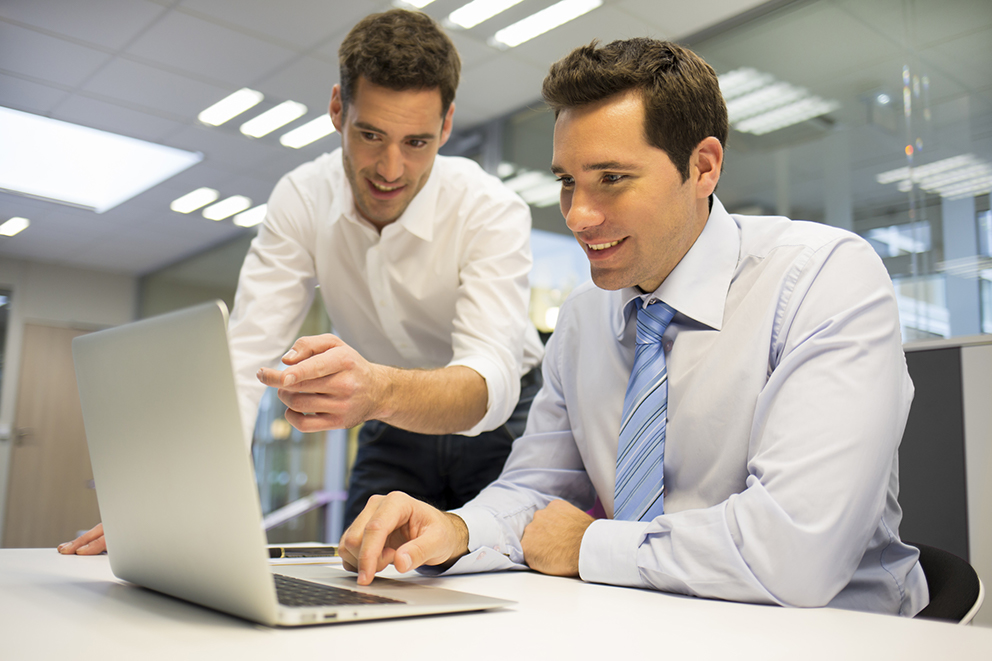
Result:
pixel 752 456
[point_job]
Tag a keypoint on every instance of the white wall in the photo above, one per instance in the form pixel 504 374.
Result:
pixel 55 296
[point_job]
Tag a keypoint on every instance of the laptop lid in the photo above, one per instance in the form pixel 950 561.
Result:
pixel 174 480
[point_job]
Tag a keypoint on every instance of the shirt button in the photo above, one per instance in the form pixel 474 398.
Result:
pixel 668 345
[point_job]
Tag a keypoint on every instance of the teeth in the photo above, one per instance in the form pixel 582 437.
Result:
pixel 602 246
pixel 385 189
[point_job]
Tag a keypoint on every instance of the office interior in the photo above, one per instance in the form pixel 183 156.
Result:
pixel 897 148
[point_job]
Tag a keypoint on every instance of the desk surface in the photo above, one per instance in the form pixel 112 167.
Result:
pixel 73 608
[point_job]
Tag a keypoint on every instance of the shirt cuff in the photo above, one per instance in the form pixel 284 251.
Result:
pixel 485 549
pixel 609 552
pixel 499 391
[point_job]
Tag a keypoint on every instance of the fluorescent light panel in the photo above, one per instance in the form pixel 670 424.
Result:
pixel 13 226
pixel 956 177
pixel 758 103
pixel 477 11
pixel 543 21
pixel 273 118
pixel 230 106
pixel 80 166
pixel 194 200
pixel 416 4
pixel 312 131
pixel 251 217
pixel 227 207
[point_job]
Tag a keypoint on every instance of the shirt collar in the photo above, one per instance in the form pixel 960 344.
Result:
pixel 697 288
pixel 417 218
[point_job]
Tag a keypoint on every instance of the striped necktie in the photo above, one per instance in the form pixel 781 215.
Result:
pixel 641 450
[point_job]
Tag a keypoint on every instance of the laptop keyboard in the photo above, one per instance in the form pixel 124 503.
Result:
pixel 296 592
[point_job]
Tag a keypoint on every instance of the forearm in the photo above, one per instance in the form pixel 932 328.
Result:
pixel 442 401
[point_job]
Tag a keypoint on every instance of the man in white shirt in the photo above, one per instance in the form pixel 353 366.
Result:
pixel 422 262
pixel 787 386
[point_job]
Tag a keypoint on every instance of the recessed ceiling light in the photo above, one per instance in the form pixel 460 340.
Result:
pixel 194 200
pixel 227 207
pixel 477 11
pixel 542 21
pixel 80 166
pixel 251 217
pixel 956 177
pixel 273 118
pixel 758 103
pixel 14 225
pixel 230 106
pixel 312 131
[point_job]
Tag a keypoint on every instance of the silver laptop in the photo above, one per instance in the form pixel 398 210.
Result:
pixel 176 487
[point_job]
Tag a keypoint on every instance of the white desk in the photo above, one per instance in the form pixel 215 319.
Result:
pixel 73 608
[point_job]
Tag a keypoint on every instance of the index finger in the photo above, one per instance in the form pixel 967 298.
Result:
pixel 310 345
pixel 392 514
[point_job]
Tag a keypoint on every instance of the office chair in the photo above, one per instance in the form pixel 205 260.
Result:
pixel 956 592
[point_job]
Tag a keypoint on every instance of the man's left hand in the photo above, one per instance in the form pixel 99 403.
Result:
pixel 551 541
pixel 328 385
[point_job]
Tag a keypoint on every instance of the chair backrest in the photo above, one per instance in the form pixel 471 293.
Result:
pixel 956 592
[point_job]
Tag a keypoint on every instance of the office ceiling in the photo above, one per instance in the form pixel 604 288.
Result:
pixel 146 68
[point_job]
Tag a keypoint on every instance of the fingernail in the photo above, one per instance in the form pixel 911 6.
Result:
pixel 289 380
pixel 290 355
pixel 361 575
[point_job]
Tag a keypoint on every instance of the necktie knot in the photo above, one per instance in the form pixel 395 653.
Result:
pixel 652 321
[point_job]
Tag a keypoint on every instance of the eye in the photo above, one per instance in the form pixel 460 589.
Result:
pixel 565 181
pixel 613 178
pixel 418 143
pixel 368 135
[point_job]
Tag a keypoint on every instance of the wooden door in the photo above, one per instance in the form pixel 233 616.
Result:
pixel 50 491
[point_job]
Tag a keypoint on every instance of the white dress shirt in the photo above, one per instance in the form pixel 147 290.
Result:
pixel 446 284
pixel 788 395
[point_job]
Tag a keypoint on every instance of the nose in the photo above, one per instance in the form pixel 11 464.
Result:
pixel 390 165
pixel 579 210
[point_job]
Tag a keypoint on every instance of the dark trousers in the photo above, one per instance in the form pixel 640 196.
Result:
pixel 444 470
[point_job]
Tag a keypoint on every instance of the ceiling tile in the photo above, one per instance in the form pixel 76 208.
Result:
pixel 151 88
pixel 298 22
pixel 115 118
pixel 27 96
pixel 47 59
pixel 208 50
pixel 107 23
pixel 307 80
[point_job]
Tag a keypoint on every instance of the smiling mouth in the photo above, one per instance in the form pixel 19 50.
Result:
pixel 602 246
pixel 385 188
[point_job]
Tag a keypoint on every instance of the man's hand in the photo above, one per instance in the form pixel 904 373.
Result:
pixel 402 531
pixel 551 541
pixel 328 385
pixel 91 542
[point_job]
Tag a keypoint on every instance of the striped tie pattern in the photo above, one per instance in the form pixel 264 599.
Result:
pixel 641 449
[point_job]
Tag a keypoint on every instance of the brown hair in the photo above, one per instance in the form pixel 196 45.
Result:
pixel 682 99
pixel 400 50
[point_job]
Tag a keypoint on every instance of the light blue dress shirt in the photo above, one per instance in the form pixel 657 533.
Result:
pixel 788 395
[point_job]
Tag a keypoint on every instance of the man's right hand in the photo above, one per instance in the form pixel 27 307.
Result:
pixel 91 542
pixel 402 531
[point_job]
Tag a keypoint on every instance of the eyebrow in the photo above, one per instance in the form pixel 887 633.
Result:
pixel 365 126
pixel 592 167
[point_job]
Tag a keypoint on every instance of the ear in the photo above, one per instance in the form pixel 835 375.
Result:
pixel 446 126
pixel 336 108
pixel 706 164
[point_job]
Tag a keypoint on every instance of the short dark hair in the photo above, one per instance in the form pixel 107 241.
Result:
pixel 682 100
pixel 400 50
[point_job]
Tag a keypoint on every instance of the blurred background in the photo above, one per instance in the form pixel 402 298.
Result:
pixel 874 116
